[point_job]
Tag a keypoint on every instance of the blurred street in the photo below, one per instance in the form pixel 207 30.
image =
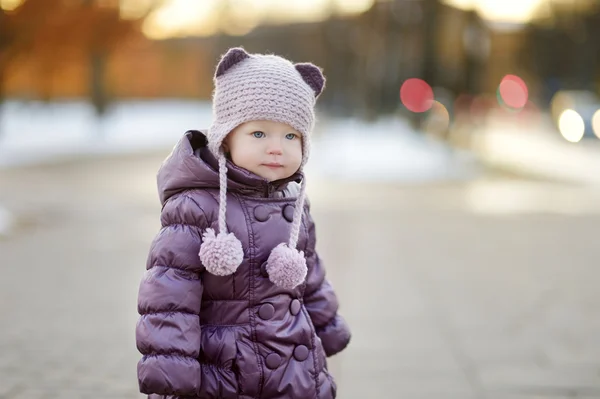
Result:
pixel 485 288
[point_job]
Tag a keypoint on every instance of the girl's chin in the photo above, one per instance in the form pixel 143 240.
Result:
pixel 274 176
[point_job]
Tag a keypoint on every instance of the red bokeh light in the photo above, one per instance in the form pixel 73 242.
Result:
pixel 416 95
pixel 513 92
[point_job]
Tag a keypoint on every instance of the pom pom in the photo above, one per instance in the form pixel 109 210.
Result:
pixel 286 266
pixel 221 254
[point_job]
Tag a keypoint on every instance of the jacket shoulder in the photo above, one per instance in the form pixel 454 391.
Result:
pixel 192 206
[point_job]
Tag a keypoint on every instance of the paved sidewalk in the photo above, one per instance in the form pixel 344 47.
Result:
pixel 451 293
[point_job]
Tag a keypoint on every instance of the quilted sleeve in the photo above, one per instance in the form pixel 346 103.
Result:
pixel 169 298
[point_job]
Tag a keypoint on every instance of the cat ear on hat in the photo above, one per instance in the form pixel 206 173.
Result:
pixel 312 75
pixel 232 57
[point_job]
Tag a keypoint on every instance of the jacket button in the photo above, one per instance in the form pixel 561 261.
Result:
pixel 266 311
pixel 263 270
pixel 301 353
pixel 273 361
pixel 295 307
pixel 288 213
pixel 261 213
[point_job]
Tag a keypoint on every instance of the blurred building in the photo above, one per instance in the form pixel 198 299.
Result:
pixel 366 57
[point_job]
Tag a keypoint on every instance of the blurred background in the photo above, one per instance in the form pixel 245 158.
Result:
pixel 455 182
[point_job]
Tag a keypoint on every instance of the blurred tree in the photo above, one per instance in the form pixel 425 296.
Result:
pixel 55 30
pixel 20 22
pixel 563 51
pixel 429 51
pixel 100 30
pixel 18 25
pixel 430 23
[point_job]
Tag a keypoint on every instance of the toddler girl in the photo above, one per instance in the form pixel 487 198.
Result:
pixel 234 302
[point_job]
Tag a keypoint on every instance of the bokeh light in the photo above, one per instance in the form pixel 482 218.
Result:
pixel 509 12
pixel 513 92
pixel 560 102
pixel 10 5
pixel 571 126
pixel 416 95
pixel 596 123
pixel 353 6
pixel 438 119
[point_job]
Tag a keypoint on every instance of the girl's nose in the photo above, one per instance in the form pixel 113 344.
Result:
pixel 275 149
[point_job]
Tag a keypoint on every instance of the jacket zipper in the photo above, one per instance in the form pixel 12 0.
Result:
pixel 268 190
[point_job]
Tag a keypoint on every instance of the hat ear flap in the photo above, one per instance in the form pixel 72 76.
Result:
pixel 312 75
pixel 232 57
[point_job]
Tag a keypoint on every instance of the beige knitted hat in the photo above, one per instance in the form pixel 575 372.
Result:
pixel 252 87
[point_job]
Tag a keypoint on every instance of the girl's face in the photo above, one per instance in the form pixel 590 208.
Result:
pixel 268 149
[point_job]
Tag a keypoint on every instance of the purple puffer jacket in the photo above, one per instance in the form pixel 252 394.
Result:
pixel 238 336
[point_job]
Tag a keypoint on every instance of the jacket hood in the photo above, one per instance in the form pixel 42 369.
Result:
pixel 191 165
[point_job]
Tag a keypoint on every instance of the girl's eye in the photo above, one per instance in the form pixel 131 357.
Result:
pixel 258 135
pixel 290 136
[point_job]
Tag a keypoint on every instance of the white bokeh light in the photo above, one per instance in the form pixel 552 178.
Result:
pixel 508 11
pixel 571 126
pixel 207 17
pixel 596 123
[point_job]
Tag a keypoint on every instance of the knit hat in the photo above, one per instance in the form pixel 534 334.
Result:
pixel 250 87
